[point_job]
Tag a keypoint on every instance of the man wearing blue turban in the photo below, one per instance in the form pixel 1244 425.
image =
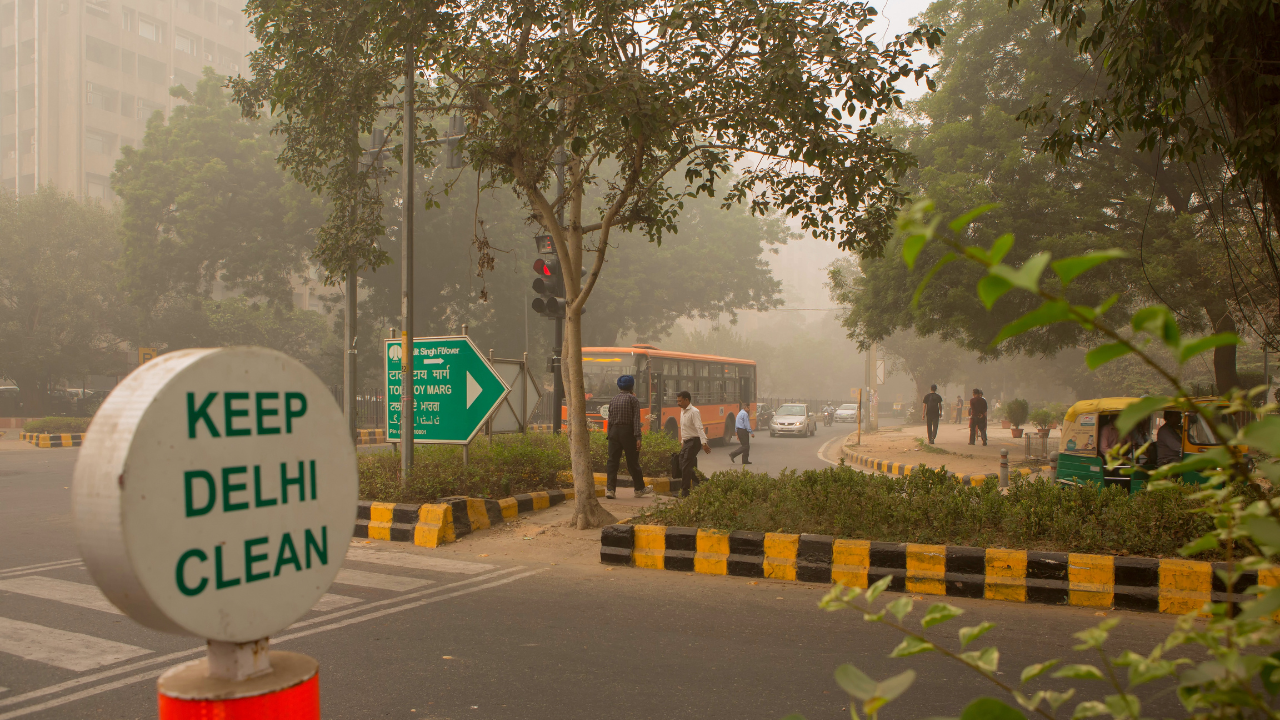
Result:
pixel 624 437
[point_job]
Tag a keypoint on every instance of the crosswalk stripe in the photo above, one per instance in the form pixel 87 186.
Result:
pixel 28 569
pixel 329 601
pixel 64 591
pixel 68 650
pixel 347 576
pixel 417 562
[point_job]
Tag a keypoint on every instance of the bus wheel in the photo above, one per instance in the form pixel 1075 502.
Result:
pixel 672 430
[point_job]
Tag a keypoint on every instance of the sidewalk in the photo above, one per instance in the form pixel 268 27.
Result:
pixel 952 450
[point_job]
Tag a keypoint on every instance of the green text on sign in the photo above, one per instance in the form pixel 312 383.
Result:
pixel 454 389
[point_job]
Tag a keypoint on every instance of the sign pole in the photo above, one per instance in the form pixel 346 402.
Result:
pixel 407 424
pixel 859 416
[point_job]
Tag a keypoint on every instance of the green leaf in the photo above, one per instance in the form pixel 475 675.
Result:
pixel 1079 672
pixel 1104 354
pixel 1091 708
pixel 878 587
pixel 911 645
pixel 1068 269
pixel 911 248
pixel 942 261
pixel 969 634
pixel 1123 706
pixel 940 613
pixel 987 659
pixel 1057 698
pixel 855 682
pixel 1271 675
pixel 991 288
pixel 1261 607
pixel 1135 413
pixel 1001 247
pixel 1195 547
pixel 900 607
pixel 1105 305
pixel 1095 636
pixel 1029 703
pixel 893 687
pixel 1265 530
pixel 1157 321
pixel 1265 435
pixel 1034 671
pixel 1026 277
pixel 963 221
pixel 985 708
pixel 1192 348
pixel 1049 312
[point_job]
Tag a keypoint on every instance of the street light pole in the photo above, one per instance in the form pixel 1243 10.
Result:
pixel 406 274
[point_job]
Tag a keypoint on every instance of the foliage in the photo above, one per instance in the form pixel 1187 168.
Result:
pixel 58 298
pixel 1044 417
pixel 1237 678
pixel 53 425
pixel 1016 412
pixel 929 506
pixel 509 465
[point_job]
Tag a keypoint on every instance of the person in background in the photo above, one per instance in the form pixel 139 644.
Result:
pixel 692 435
pixel 977 417
pixel 932 412
pixel 624 438
pixel 1108 437
pixel 959 409
pixel 743 425
pixel 1169 439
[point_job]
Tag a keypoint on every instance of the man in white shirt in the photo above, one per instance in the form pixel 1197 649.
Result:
pixel 742 424
pixel 692 435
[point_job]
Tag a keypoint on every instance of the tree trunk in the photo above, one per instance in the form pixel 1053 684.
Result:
pixel 587 512
pixel 1224 357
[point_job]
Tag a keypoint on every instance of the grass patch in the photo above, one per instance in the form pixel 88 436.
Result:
pixel 927 506
pixel 922 445
pixel 55 425
pixel 510 465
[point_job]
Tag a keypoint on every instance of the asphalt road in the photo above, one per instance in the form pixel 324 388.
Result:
pixel 531 626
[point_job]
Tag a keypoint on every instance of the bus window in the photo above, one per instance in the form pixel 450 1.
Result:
pixel 716 370
pixel 704 370
pixel 686 368
pixel 731 371
pixel 717 392
pixel 600 374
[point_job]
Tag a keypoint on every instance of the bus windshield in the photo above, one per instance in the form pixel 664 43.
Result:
pixel 600 374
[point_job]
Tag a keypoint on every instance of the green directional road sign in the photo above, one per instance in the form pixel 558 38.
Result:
pixel 454 389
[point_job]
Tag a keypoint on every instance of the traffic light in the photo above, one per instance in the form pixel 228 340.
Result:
pixel 549 284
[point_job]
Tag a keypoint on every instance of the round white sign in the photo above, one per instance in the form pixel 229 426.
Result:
pixel 215 493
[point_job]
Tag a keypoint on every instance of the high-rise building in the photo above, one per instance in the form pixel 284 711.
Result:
pixel 80 79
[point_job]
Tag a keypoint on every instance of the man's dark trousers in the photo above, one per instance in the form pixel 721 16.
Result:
pixel 688 461
pixel 622 439
pixel 931 425
pixel 975 427
pixel 744 446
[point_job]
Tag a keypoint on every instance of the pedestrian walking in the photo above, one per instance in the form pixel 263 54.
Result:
pixel 624 438
pixel 742 424
pixel 932 412
pixel 692 436
pixel 959 410
pixel 977 417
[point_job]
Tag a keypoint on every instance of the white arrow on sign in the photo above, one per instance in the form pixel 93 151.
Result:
pixel 473 390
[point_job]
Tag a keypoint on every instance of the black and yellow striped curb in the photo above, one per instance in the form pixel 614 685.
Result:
pixel 904 469
pixel 659 485
pixel 1128 583
pixel 53 440
pixel 371 437
pixel 435 524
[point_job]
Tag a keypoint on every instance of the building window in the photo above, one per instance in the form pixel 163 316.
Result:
pixel 182 77
pixel 127 142
pixel 128 105
pixel 152 71
pixel 150 28
pixel 228 19
pixel 211 12
pixel 128 62
pixel 147 109
pixel 183 43
pixel 101 97
pixel 101 52
pixel 98 8
pixel 126 19
pixel 190 7
pixel 97 187
pixel 99 142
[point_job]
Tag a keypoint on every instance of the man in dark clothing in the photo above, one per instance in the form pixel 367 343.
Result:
pixel 1169 439
pixel 932 412
pixel 624 437
pixel 977 417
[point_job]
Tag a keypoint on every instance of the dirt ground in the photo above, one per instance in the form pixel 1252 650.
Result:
pixel 906 444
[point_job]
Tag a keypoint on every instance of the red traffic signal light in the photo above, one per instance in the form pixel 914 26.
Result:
pixel 541 267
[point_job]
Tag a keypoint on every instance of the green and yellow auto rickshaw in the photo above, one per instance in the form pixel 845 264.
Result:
pixel 1082 460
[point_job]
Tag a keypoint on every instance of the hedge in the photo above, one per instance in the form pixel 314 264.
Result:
pixel 928 506
pixel 53 425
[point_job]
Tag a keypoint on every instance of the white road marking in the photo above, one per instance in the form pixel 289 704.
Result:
pixel 63 591
pixel 417 562
pixel 822 451
pixel 154 673
pixel 27 569
pixel 347 576
pixel 60 648
pixel 329 601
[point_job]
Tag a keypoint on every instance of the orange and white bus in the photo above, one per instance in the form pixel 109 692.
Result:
pixel 720 386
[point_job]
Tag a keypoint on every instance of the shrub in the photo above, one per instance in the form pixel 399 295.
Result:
pixel 54 425
pixel 1043 418
pixel 929 506
pixel 1015 411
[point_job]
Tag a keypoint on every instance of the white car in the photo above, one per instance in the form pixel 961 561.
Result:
pixel 793 419
pixel 847 413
